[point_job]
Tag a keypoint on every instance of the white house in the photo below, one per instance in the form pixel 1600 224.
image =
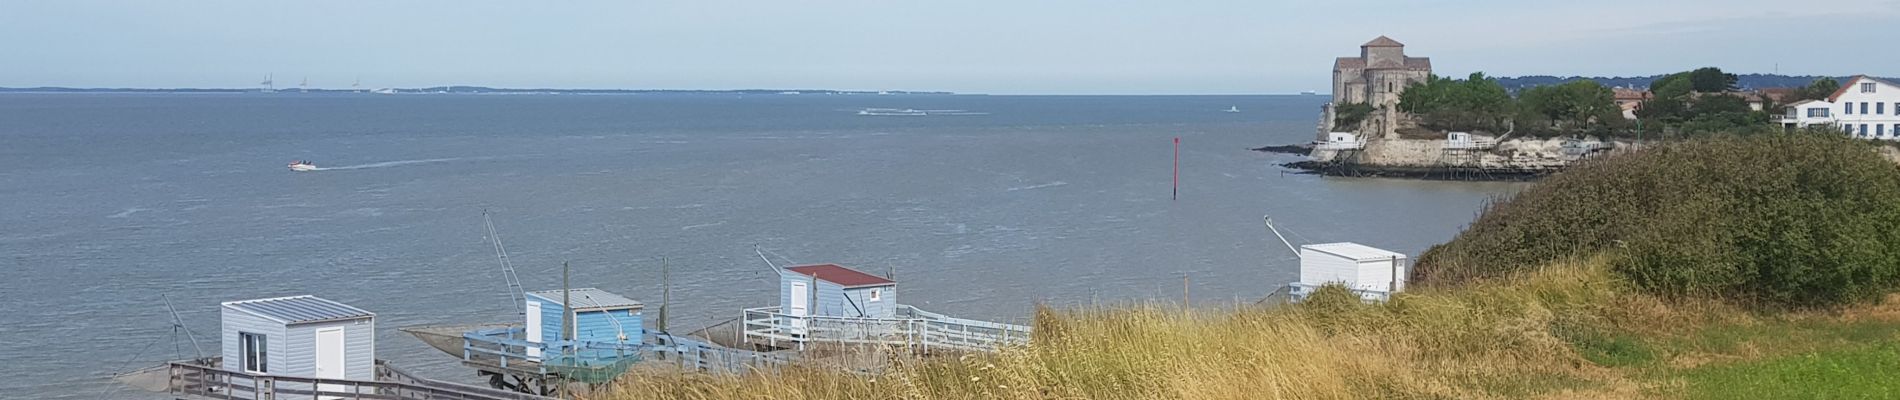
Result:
pixel 1865 107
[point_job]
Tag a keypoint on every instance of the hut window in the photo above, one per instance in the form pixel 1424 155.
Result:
pixel 255 353
pixel 877 294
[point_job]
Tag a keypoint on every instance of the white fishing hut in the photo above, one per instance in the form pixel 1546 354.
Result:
pixel 1372 273
pixel 1340 141
pixel 300 336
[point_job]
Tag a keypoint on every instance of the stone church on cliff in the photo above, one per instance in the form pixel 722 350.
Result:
pixel 1375 77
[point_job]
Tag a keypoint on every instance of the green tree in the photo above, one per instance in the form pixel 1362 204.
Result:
pixel 1819 90
pixel 1711 80
pixel 1475 103
pixel 1575 107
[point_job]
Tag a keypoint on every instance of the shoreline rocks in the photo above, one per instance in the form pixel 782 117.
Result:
pixel 1300 149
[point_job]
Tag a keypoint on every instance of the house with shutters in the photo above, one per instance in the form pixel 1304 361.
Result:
pixel 1866 108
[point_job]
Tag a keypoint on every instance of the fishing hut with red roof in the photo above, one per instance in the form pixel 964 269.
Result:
pixel 833 304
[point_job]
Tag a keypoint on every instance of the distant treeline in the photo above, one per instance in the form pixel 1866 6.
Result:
pixel 1744 81
pixel 457 89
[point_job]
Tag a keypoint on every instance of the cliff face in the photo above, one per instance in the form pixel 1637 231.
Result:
pixel 1523 153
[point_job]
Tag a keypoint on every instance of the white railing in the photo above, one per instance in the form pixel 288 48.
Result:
pixel 1472 144
pixel 1299 291
pixel 913 328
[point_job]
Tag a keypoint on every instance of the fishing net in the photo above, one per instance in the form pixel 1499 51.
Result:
pixel 592 370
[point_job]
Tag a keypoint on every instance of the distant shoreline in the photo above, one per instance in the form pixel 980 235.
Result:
pixel 466 90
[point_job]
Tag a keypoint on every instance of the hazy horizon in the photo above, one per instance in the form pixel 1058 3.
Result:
pixel 982 46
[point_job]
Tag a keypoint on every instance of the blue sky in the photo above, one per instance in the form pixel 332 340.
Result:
pixel 978 46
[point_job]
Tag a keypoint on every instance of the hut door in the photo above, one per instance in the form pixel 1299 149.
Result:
pixel 800 307
pixel 330 351
pixel 534 330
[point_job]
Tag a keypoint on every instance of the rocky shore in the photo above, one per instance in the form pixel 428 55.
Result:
pixel 1510 160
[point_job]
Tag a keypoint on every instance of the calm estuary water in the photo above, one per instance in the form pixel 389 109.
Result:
pixel 108 202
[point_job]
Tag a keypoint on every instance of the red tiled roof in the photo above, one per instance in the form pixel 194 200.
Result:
pixel 840 275
pixel 1383 41
pixel 1630 94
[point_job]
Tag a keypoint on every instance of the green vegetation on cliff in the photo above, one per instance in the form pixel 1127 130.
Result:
pixel 1478 103
pixel 1790 220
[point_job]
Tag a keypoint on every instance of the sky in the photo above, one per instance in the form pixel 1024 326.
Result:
pixel 965 46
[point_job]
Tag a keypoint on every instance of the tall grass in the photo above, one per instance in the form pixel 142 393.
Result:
pixel 1573 329
pixel 1497 341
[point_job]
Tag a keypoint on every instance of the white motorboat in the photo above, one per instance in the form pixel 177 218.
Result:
pixel 906 112
pixel 302 166
pixel 1233 109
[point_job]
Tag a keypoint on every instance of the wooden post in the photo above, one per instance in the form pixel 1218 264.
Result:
pixel 666 292
pixel 1395 279
pixel 1177 170
pixel 567 332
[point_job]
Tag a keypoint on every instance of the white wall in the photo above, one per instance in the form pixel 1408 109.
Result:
pixel 1377 274
pixel 1319 268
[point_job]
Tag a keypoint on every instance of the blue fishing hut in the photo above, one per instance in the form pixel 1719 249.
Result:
pixel 603 323
pixel 299 336
pixel 831 290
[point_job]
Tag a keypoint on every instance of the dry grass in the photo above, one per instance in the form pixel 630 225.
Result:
pixel 1570 331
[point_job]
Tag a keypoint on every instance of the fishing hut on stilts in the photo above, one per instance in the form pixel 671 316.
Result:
pixel 830 308
pixel 299 347
pixel 1370 273
pixel 575 339
pixel 1462 156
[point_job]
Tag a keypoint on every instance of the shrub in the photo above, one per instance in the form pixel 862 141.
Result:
pixel 1789 220
pixel 1348 116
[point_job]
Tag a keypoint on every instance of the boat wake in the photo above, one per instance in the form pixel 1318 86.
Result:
pixel 387 164
pixel 1040 186
pixel 912 112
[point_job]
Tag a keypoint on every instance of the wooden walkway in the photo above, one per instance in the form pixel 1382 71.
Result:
pixel 198 381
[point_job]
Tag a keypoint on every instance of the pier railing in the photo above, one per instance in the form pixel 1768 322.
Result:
pixel 506 348
pixel 1340 145
pixel 695 355
pixel 913 328
pixel 1298 291
pixel 1471 144
pixel 192 380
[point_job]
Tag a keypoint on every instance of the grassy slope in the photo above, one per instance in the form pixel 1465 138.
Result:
pixel 1570 331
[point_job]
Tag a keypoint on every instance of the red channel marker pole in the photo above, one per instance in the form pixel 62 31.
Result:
pixel 1177 169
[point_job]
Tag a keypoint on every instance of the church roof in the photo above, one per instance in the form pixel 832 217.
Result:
pixel 1383 41
pixel 1418 63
